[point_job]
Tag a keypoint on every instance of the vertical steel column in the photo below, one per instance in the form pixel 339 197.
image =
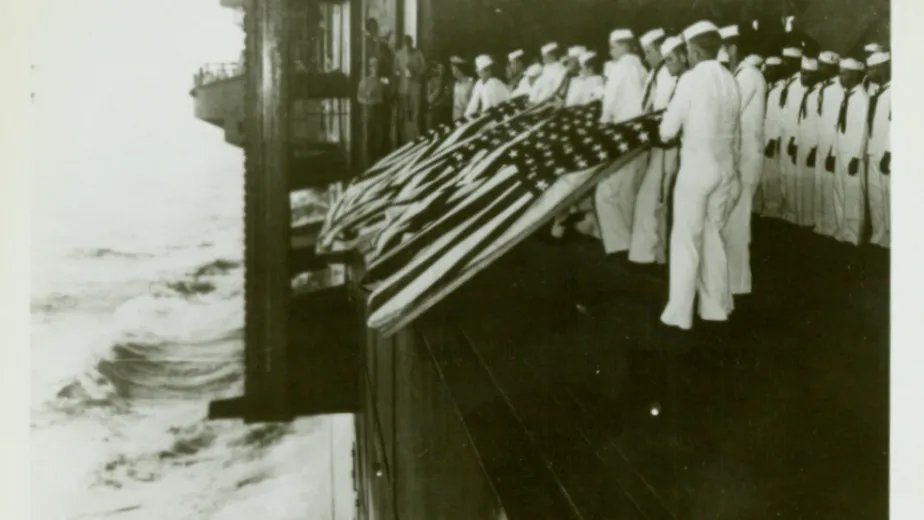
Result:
pixel 267 212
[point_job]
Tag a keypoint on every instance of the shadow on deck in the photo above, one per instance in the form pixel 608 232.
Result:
pixel 781 412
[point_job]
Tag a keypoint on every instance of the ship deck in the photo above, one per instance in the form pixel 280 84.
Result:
pixel 554 357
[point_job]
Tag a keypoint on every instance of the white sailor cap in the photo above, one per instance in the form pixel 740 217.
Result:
pixel 456 60
pixel 621 34
pixel 723 56
pixel 670 44
pixel 754 60
pixel 533 71
pixel 649 37
pixel 809 64
pixel 730 31
pixel 877 58
pixel 792 52
pixel 549 47
pixel 773 60
pixel 586 56
pixel 698 28
pixel 484 61
pixel 515 55
pixel 828 57
pixel 851 64
pixel 872 47
pixel 576 51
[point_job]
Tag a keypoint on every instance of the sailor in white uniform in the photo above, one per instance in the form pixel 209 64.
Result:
pixel 462 87
pixel 730 36
pixel 489 91
pixel 585 87
pixel 592 83
pixel 767 200
pixel 675 61
pixel 649 236
pixel 850 138
pixel 870 49
pixel 828 104
pixel 575 94
pixel 573 64
pixel 737 233
pixel 516 69
pixel 705 110
pixel 803 183
pixel 525 84
pixel 553 77
pixel 789 137
pixel 771 180
pixel 622 100
pixel 878 152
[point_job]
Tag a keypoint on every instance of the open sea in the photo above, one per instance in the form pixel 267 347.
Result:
pixel 137 304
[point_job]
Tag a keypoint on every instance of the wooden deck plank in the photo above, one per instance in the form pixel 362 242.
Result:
pixel 526 487
pixel 577 448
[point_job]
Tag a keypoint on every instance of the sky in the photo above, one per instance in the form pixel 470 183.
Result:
pixel 112 113
pixel 117 73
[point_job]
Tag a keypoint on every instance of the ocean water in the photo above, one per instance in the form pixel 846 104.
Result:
pixel 137 304
pixel 136 320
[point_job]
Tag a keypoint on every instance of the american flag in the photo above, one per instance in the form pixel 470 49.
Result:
pixel 364 204
pixel 512 190
pixel 378 181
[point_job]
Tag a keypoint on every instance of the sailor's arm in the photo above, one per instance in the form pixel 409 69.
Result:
pixel 675 114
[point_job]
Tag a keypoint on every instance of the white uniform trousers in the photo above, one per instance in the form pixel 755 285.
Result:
pixel 615 203
pixel 737 236
pixel 825 216
pixel 849 201
pixel 698 261
pixel 880 201
pixel 648 243
pixel 770 185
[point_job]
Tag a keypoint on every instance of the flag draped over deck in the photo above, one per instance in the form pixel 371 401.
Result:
pixel 443 218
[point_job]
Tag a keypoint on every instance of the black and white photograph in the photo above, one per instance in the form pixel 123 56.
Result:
pixel 462 260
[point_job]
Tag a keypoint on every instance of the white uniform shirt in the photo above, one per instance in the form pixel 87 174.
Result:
pixel 850 141
pixel 624 90
pixel 548 83
pixel 659 85
pixel 486 94
pixel 772 114
pixel 583 90
pixel 608 69
pixel 789 114
pixel 705 107
pixel 752 87
pixel 461 96
pixel 808 121
pixel 828 102
pixel 880 134
pixel 523 87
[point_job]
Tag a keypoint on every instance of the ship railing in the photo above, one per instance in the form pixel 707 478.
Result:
pixel 214 72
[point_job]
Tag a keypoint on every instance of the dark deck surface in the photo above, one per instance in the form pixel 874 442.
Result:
pixel 780 413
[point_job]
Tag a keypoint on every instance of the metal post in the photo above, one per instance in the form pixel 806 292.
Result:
pixel 267 211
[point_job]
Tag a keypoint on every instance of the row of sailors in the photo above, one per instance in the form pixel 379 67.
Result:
pixel 827 147
pixel 801 148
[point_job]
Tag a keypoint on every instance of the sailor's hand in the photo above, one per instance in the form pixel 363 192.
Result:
pixel 854 166
pixel 829 163
pixel 768 151
pixel 810 161
pixel 885 164
pixel 791 148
